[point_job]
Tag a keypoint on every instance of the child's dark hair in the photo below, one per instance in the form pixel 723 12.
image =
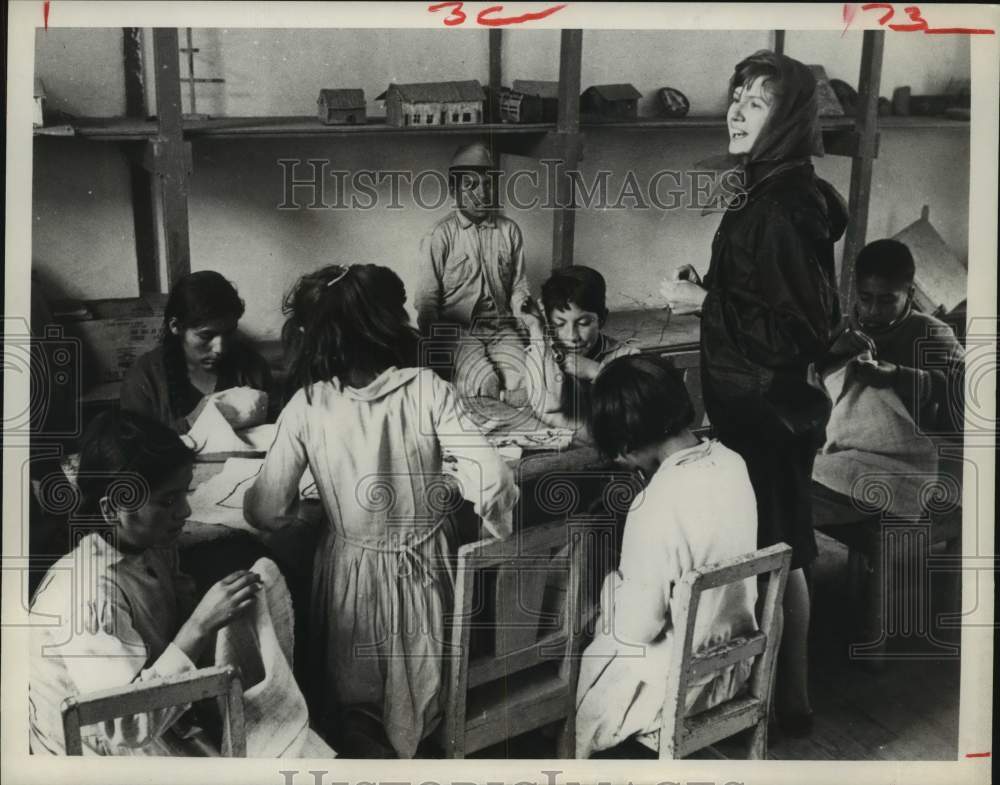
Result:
pixel 637 401
pixel 888 259
pixel 195 299
pixel 123 456
pixel 344 319
pixel 579 285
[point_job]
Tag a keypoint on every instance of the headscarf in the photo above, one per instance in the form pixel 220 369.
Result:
pixel 792 130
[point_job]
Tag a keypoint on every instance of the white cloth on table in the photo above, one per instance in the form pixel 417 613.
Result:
pixel 874 452
pixel 382 579
pixel 219 500
pixel 698 509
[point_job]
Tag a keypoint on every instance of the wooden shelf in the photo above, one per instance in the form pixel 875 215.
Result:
pixel 885 123
pixel 124 129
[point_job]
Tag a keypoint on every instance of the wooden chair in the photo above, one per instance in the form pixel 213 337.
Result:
pixel 681 735
pixel 528 678
pixel 688 362
pixel 138 698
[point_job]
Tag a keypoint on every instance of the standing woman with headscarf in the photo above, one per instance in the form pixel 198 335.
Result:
pixel 769 309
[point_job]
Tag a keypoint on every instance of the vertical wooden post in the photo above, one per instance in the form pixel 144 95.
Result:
pixel 140 183
pixel 170 154
pixel 779 42
pixel 866 126
pixel 496 58
pixel 568 132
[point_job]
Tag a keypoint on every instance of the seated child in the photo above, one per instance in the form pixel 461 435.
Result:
pixel 473 282
pixel 697 509
pixel 915 354
pixel 200 356
pixel 379 435
pixel 117 610
pixel 564 360
pixel 896 377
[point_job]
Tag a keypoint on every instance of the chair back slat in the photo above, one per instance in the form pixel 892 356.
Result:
pixel 524 638
pixel 726 654
pixel 680 736
pixel 222 682
pixel 545 649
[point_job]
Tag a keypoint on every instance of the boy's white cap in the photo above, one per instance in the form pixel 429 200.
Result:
pixel 472 156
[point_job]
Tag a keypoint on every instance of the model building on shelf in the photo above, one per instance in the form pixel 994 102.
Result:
pixel 548 92
pixel 611 101
pixel 434 103
pixel 341 107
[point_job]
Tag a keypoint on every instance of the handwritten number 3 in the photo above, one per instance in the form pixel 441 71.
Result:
pixel 486 16
pixel 456 17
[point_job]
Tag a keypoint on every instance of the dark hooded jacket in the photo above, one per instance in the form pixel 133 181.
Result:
pixel 772 303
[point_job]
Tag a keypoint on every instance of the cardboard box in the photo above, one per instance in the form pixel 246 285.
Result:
pixel 112 344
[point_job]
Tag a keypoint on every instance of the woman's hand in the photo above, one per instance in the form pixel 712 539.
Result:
pixel 686 272
pixel 683 296
pixel 222 603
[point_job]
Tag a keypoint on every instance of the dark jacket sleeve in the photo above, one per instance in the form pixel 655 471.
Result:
pixel 784 322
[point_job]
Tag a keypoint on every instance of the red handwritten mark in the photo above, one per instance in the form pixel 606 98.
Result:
pixel 456 17
pixel 977 755
pixel 886 6
pixel 960 31
pixel 45 13
pixel 918 23
pixel 513 20
pixel 849 12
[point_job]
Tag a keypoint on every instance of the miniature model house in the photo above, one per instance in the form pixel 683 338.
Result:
pixel 341 107
pixel 612 101
pixel 434 103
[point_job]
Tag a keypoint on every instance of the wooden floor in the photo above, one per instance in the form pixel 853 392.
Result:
pixel 908 711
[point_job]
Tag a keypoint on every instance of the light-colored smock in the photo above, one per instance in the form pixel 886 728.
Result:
pixel 101 619
pixel 382 575
pixel 697 510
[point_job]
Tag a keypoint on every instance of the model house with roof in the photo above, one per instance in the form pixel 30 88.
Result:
pixel 612 101
pixel 341 107
pixel 434 103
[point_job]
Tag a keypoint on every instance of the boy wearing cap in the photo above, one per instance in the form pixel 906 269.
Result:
pixel 472 280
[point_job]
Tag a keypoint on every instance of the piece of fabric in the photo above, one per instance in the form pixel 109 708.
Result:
pixel 146 386
pixel 874 453
pixel 262 645
pixel 931 362
pixel 464 265
pixel 385 459
pixel 698 509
